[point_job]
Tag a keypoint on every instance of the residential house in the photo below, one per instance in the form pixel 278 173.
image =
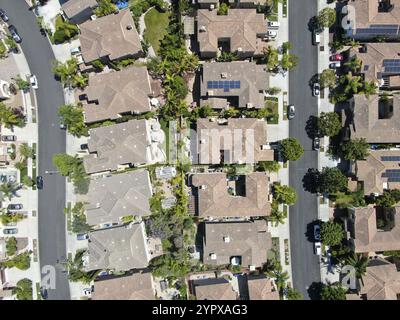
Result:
pixel 137 286
pixel 380 282
pixel 375 118
pixel 243 243
pixel 241 31
pixel 230 141
pixel 121 248
pixel 3 254
pixel 112 37
pixel 262 288
pixel 368 19
pixel 238 84
pixel 214 289
pixel 380 63
pixel 113 197
pixel 217 196
pixel 379 171
pixel 109 96
pixel 372 229
pixel 114 147
pixel 78 11
pixel 232 3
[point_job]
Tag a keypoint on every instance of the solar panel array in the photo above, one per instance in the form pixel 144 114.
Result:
pixel 390 158
pixel 379 29
pixel 391 65
pixel 393 175
pixel 223 84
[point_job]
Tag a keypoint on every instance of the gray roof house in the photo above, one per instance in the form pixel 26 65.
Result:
pixel 367 19
pixel 239 83
pixel 111 37
pixel 241 140
pixel 121 248
pixel 214 289
pixel 240 31
pixel 245 242
pixel 249 196
pixel 138 286
pixel 236 3
pixel 108 96
pixel 115 146
pixel 78 11
pixel 113 197
pixel 376 119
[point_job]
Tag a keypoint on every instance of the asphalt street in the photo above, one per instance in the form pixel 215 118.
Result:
pixel 305 265
pixel 52 246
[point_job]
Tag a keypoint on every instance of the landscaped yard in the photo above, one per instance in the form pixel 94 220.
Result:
pixel 156 27
pixel 271 104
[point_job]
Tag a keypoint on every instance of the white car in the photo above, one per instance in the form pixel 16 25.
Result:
pixel 273 24
pixel 317 248
pixel 33 81
pixel 87 292
pixel 272 33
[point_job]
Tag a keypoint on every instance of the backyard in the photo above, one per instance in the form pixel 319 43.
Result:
pixel 156 27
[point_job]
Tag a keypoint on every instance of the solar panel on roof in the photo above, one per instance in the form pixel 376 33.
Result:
pixel 223 84
pixel 378 31
pixel 386 26
pixel 392 69
pixel 390 158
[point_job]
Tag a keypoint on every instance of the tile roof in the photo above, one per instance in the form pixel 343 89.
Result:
pixel 242 140
pixel 109 95
pixel 72 8
pixel 115 196
pixel 253 81
pixel 113 36
pixel 262 288
pixel 121 248
pixel 213 199
pixel 214 289
pixel 248 239
pixel 138 286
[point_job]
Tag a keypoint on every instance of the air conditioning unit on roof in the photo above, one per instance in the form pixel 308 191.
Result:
pixel 213 256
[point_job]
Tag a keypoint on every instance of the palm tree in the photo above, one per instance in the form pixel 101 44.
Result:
pixel 359 262
pixel 369 88
pixel 9 189
pixel 66 71
pixel 351 84
pixel 26 151
pixel 68 29
pixel 274 271
pixel 354 65
pixel 8 118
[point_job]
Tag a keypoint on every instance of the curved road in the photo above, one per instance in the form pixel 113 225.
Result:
pixel 51 138
pixel 305 264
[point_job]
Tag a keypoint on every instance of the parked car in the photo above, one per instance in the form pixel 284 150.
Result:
pixel 14 33
pixel 9 138
pixel 336 57
pixel 62 125
pixel 44 293
pixel 316 143
pixel 11 224
pixel 272 34
pixel 82 236
pixel 39 182
pixel 87 292
pixel 3 15
pixel 316 89
pixel 273 24
pixel 335 65
pixel 15 206
pixel 33 81
pixel 317 248
pixel 316 38
pixel 290 112
pixel 317 232
pixel 10 231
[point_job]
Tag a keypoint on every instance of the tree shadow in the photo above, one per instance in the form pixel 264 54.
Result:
pixel 312 127
pixel 311 180
pixel 313 24
pixel 314 291
pixel 313 79
pixel 310 230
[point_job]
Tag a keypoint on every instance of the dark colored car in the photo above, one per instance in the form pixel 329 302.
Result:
pixel 14 206
pixel 39 182
pixel 43 293
pixel 10 231
pixel 3 15
pixel 14 33
pixel 316 143
pixel 317 232
pixel 9 138
pixel 84 146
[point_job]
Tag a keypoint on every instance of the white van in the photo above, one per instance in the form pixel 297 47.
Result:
pixel 273 24
pixel 316 38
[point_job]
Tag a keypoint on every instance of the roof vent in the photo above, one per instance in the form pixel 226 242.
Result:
pixel 213 256
pixel 239 49
pixel 203 186
pixel 224 75
pixel 203 29
pixel 249 105
pixel 212 7
pixel 252 268
pixel 129 27
pixel 227 239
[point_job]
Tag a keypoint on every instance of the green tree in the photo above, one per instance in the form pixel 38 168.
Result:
pixel 64 31
pixel 351 84
pixel 26 151
pixel 227 57
pixel 21 83
pixel 11 246
pixel 327 78
pixel 329 124
pixel 289 61
pixel 28 181
pixel 68 73
pixel 274 270
pixel 167 265
pixel 10 42
pixel 223 9
pixel 269 166
pixel 272 58
pixel 291 149
pixel 285 194
pixel 9 189
pixel 355 149
pixel 21 261
pixel 354 65
pixel 65 163
pixel 105 7
pixel 72 117
pixel 79 224
pixel 326 17
pixel 23 290
pixel 331 180
pixel 333 292
pixel 9 118
pixel 388 199
pixel 293 294
pixel 286 46
pixel 176 85
pixel 332 233
pixel 273 91
pixel 277 216
pixel 369 88
pixel 359 262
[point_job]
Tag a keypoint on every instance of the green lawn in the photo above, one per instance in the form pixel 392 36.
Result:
pixel 271 103
pixel 156 27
